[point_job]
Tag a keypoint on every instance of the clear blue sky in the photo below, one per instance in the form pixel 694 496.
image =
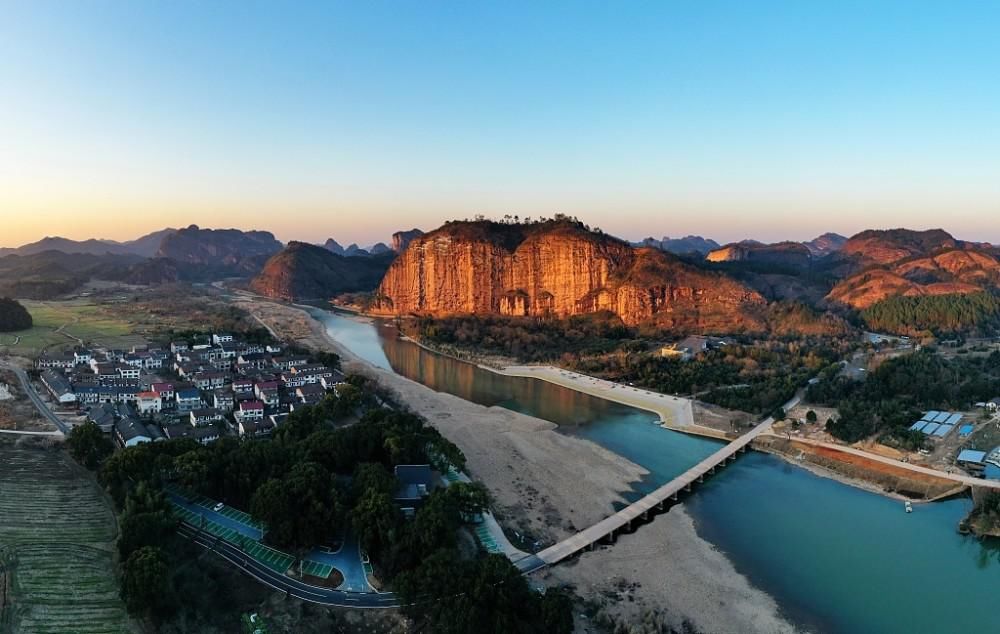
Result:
pixel 729 119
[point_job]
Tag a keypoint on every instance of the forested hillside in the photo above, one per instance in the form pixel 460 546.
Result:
pixel 13 316
pixel 977 313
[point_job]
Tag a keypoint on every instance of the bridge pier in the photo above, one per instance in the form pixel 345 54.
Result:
pixel 701 478
pixel 687 487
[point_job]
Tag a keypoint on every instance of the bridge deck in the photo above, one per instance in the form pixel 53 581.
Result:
pixel 637 509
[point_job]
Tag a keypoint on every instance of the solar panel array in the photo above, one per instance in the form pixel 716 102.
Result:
pixel 937 424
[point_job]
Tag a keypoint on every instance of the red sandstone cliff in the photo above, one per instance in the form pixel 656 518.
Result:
pixel 555 268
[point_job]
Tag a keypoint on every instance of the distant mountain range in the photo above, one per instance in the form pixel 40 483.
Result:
pixel 703 286
pixel 308 272
pixel 400 240
pixel 680 246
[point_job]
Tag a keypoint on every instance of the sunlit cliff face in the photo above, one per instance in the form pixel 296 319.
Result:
pixel 559 269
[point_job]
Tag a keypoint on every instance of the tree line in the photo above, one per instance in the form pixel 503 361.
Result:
pixel 896 394
pixel 973 313
pixel 317 477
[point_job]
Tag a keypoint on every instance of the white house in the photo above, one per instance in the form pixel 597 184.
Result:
pixel 148 403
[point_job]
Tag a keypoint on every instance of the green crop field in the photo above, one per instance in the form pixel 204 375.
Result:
pixel 57 532
pixel 56 323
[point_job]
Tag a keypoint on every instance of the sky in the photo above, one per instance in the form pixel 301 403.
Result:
pixel 770 120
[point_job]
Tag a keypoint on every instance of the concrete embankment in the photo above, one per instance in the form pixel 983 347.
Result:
pixel 859 471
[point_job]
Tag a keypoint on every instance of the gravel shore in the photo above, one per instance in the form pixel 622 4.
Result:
pixel 550 485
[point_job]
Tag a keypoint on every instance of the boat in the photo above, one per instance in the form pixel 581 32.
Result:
pixel 909 507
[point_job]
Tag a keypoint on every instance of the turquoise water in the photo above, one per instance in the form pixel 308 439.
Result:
pixel 837 559
pixel 844 560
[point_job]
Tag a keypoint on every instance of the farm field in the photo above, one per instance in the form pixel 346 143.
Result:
pixel 56 547
pixel 57 323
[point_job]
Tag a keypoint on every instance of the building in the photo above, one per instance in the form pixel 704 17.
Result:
pixel 256 360
pixel 686 348
pixel 129 371
pixel 149 403
pixel 972 460
pixel 250 411
pixel 165 390
pixel 243 386
pixel 223 400
pixel 414 484
pixel 59 387
pixel 64 361
pixel 204 435
pixel 209 380
pixel 222 337
pixel 993 404
pixel 129 431
pixel 205 416
pixel 254 429
pixel 188 399
pixel 310 394
pixel 290 361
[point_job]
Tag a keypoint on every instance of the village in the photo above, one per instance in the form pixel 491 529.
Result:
pixel 203 387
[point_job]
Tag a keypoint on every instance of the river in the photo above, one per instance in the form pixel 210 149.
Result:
pixel 836 558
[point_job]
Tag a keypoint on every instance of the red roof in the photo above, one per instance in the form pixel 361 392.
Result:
pixel 249 405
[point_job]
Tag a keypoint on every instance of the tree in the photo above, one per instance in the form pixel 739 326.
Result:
pixel 145 585
pixel 299 510
pixel 377 522
pixel 13 316
pixel 487 596
pixel 811 417
pixel 192 469
pixel 89 446
pixel 468 499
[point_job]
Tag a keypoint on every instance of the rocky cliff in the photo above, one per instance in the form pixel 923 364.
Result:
pixel 557 268
pixel 306 271
pixel 402 239
pixel 793 254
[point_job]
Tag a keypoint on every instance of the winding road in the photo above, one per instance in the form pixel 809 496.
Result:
pixel 293 587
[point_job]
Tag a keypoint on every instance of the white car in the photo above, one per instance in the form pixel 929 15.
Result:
pixel 218 507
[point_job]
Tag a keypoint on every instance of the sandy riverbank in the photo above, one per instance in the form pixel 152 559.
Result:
pixel 672 410
pixel 550 485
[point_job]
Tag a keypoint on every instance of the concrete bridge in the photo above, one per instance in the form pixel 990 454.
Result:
pixel 641 509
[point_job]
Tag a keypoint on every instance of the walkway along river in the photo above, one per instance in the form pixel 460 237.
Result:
pixel 836 558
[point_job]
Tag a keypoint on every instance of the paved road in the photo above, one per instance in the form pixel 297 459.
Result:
pixel 955 477
pixel 40 405
pixel 293 587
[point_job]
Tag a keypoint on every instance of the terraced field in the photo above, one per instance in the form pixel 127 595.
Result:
pixel 56 537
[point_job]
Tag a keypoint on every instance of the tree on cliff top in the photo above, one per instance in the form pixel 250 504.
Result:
pixel 13 316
